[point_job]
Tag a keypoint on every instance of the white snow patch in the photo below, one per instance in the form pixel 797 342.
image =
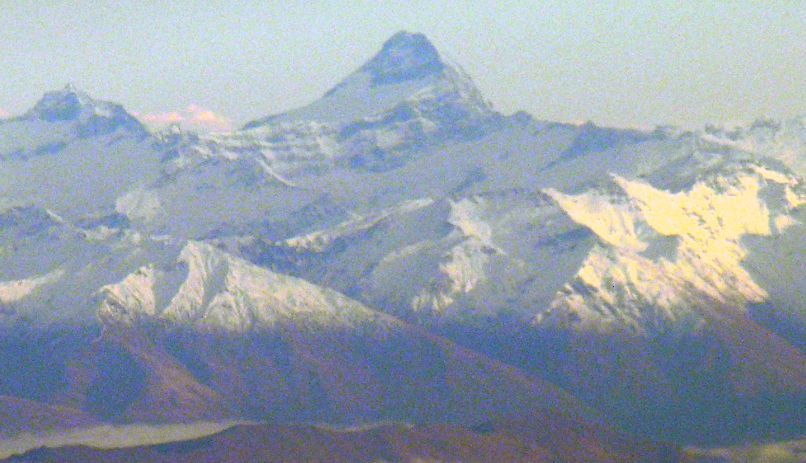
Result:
pixel 140 204
pixel 17 290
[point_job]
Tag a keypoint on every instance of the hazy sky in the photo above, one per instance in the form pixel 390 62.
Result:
pixel 616 63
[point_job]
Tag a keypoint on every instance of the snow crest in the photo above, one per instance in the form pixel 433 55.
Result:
pixel 220 291
pixel 624 283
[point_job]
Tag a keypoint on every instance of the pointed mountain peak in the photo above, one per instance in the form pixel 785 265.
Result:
pixel 406 39
pixel 61 105
pixel 408 70
pixel 405 56
pixel 95 117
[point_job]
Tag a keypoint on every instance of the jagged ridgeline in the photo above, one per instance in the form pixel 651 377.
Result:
pixel 398 250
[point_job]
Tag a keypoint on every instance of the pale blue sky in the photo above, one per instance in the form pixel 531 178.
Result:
pixel 616 63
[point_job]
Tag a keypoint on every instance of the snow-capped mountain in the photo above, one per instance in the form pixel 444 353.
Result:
pixel 407 72
pixel 403 99
pixel 301 266
pixel 87 116
pixel 74 155
pixel 60 118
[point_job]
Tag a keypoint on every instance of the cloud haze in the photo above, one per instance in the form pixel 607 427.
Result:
pixel 194 117
pixel 4 114
pixel 110 436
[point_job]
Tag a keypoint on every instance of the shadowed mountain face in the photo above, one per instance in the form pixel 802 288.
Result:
pixel 397 250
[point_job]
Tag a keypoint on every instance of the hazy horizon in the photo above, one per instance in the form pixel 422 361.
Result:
pixel 617 64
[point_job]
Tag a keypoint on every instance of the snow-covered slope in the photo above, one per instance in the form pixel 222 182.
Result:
pixel 659 258
pixel 221 292
pixel 664 257
pixel 478 256
pixel 50 267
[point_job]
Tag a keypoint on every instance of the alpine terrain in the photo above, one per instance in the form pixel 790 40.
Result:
pixel 398 272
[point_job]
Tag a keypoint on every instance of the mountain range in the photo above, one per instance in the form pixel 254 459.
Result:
pixel 400 251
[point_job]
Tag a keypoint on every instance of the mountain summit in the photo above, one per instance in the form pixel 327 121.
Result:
pixel 405 56
pixel 93 117
pixel 62 105
pixel 408 70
